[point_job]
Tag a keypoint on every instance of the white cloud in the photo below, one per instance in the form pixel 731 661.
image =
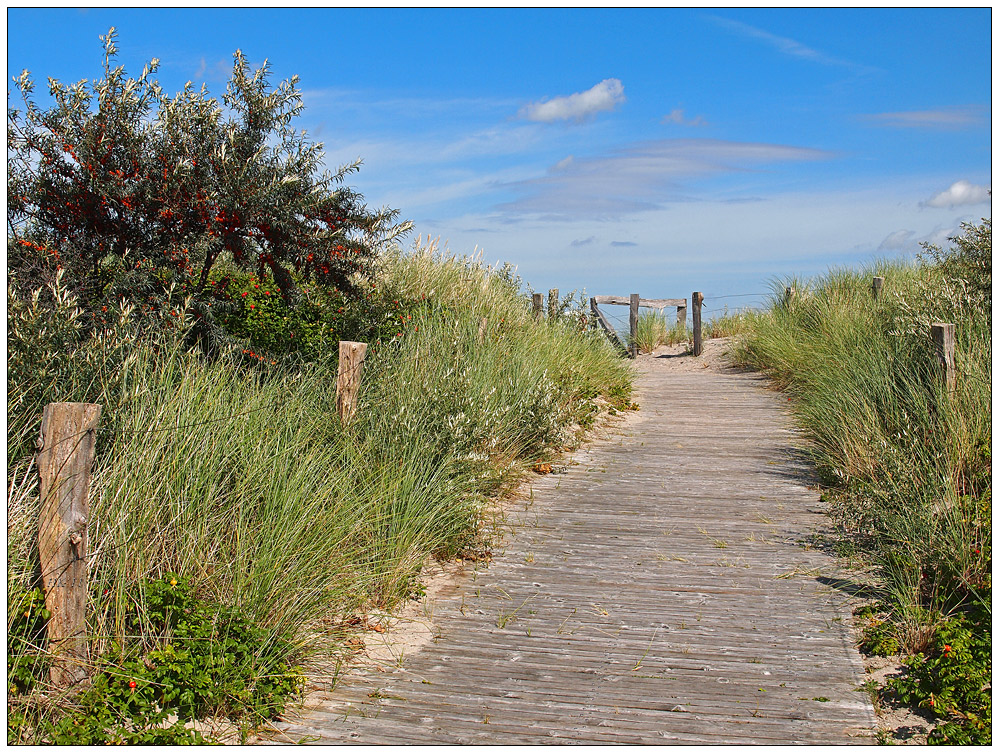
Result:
pixel 601 97
pixel 786 45
pixel 896 241
pixel 958 194
pixel 677 116
pixel 949 118
pixel 562 164
pixel 641 177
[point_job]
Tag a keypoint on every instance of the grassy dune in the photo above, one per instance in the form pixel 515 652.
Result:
pixel 242 480
pixel 907 461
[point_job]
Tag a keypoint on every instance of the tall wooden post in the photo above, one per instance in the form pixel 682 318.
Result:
pixel 696 299
pixel 633 324
pixel 877 283
pixel 536 305
pixel 594 313
pixel 682 312
pixel 65 459
pixel 553 302
pixel 944 347
pixel 352 359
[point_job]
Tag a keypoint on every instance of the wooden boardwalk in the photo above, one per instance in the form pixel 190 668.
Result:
pixel 659 591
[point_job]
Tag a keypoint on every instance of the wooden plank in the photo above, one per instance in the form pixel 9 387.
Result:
pixel 65 459
pixel 943 335
pixel 603 322
pixel 633 325
pixel 352 359
pixel 611 632
pixel 649 303
pixel 536 305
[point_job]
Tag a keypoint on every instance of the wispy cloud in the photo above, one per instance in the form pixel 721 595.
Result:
pixel 601 97
pixel 786 45
pixel 947 118
pixel 897 240
pixel 676 116
pixel 640 177
pixel 577 242
pixel 623 244
pixel 958 194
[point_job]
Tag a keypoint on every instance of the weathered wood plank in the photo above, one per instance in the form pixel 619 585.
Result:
pixel 65 459
pixel 603 322
pixel 352 359
pixel 648 594
pixel 648 303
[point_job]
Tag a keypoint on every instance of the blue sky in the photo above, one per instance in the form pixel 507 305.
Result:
pixel 656 151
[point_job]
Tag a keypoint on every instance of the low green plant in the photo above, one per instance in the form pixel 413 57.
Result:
pixel 26 642
pixel 729 323
pixel 191 659
pixel 953 679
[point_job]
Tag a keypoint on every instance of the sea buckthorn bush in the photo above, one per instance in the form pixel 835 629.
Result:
pixel 138 195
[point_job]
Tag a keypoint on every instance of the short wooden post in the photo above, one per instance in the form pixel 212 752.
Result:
pixel 682 313
pixel 633 324
pixel 877 283
pixel 696 299
pixel 65 459
pixel 553 302
pixel 944 347
pixel 536 305
pixel 352 359
pixel 789 295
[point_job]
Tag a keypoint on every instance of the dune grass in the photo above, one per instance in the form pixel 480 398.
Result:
pixel 243 480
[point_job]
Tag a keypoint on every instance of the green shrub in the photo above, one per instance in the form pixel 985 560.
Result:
pixel 953 679
pixel 138 195
pixel 189 658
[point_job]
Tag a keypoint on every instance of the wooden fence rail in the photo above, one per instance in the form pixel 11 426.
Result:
pixel 633 302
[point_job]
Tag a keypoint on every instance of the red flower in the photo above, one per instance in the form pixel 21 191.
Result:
pixel 131 684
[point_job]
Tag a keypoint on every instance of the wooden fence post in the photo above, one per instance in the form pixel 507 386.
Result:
pixel 944 342
pixel 789 295
pixel 352 358
pixel 553 302
pixel 65 458
pixel 682 312
pixel 633 324
pixel 696 299
pixel 536 305
pixel 877 283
